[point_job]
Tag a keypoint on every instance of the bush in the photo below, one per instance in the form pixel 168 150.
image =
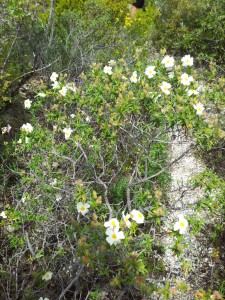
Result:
pixel 194 27
pixel 99 148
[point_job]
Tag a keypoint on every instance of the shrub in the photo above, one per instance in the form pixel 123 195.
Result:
pixel 195 27
pixel 92 152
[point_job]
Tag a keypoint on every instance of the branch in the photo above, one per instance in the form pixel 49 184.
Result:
pixel 10 51
pixel 163 170
pixel 51 22
pixel 71 283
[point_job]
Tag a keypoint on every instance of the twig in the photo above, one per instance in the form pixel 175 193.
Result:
pixel 29 245
pixel 34 71
pixel 71 283
pixel 163 170
pixel 9 53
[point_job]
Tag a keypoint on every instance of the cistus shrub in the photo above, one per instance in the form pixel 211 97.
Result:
pixel 196 27
pixel 91 197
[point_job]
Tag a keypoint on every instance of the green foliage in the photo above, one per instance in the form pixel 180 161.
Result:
pixel 116 158
pixel 194 27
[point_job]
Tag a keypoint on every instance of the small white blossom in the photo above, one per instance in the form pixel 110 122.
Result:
pixel 126 219
pixel 201 88
pixel 171 75
pixel 27 103
pixel 82 207
pixel 55 85
pixel 43 95
pixel 88 119
pixel 6 129
pixel 72 116
pixel 27 140
pixel 181 225
pixel 192 92
pixel 71 86
pixel 58 197
pixel 150 71
pixel 47 276
pixel 187 60
pixel 165 87
pixel 133 77
pixel 10 228
pixel 168 61
pixel 137 216
pixel 63 91
pixel 112 63
pixel 67 132
pixel 54 76
pixel 19 141
pixel 53 182
pixel 108 70
pixel 3 215
pixel 28 128
pixel 41 298
pixel 186 79
pixel 199 108
pixel 114 236
pixel 113 224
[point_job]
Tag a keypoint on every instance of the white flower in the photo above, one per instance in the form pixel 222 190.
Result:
pixel 54 182
pixel 187 60
pixel 171 75
pixel 168 61
pixel 150 71
pixel 72 116
pixel 114 236
pixel 55 85
pixel 192 92
pixel 108 70
pixel 47 276
pixel 6 129
pixel 133 77
pixel 10 228
pixel 165 87
pixel 82 207
pixel 112 63
pixel 181 225
pixel 113 224
pixel 126 219
pixel 3 215
pixel 28 128
pixel 67 132
pixel 63 91
pixel 27 103
pixel 41 298
pixel 201 88
pixel 137 216
pixel 54 76
pixel 26 140
pixel 19 141
pixel 71 86
pixel 88 119
pixel 186 79
pixel 41 95
pixel 58 197
pixel 199 108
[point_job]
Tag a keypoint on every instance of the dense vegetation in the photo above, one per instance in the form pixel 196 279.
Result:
pixel 88 99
